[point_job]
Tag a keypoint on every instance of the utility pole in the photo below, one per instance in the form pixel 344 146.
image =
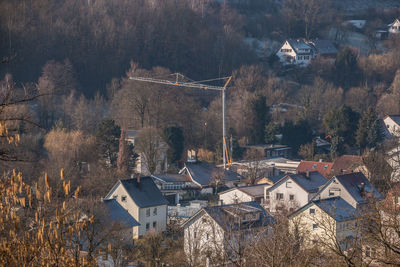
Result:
pixel 199 85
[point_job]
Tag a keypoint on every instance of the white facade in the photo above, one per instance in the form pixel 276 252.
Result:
pixel 288 55
pixel 319 228
pixel 288 195
pixel 234 196
pixel 335 188
pixel 395 26
pixel 392 126
pixel 150 218
pixel 203 236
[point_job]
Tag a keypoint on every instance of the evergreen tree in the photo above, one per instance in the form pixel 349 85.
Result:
pixel 258 117
pixel 342 122
pixel 173 136
pixel 295 135
pixel 271 130
pixel 368 133
pixel 107 137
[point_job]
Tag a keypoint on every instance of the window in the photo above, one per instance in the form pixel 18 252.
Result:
pixel 155 211
pixel 115 196
pixel 195 234
pixel 314 166
pixel 279 196
pixel 312 211
pixel 123 198
pixel 315 226
pixel 291 197
pixel 288 184
pixel 147 226
pixel 325 167
pixel 154 224
pixel 299 57
pixel 207 236
pixel 307 57
pixel 148 213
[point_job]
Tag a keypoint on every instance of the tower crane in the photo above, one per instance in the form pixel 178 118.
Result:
pixel 179 81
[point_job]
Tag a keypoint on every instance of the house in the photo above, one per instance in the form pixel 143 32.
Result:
pixel 296 52
pixel 324 48
pixel 394 27
pixel 357 23
pixel 348 164
pixel 392 124
pixel 270 151
pixel 144 202
pixel 243 194
pixel 217 232
pixel 293 191
pixel 326 222
pixel 207 176
pixel 300 52
pixel 354 188
pixel 323 168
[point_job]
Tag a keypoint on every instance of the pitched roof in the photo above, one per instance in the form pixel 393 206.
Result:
pixel 310 184
pixel 224 215
pixel 323 168
pixel 300 44
pixel 203 173
pixel 118 213
pixel 144 193
pixel 252 190
pixel 395 118
pixel 324 47
pixel 335 207
pixel 346 164
pixel 171 178
pixel 358 186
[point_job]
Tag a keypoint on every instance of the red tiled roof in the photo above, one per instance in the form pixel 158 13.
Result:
pixel 323 168
pixel 346 164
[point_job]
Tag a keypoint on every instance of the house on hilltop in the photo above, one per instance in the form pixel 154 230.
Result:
pixel 143 205
pixel 300 52
pixel 394 27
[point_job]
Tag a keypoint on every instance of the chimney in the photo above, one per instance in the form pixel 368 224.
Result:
pixel 362 189
pixel 320 160
pixel 308 173
pixel 138 179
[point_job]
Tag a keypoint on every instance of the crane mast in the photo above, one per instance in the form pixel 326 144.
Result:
pixel 226 156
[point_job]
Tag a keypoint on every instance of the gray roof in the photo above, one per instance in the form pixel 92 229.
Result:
pixel 298 44
pixel 324 47
pixel 395 118
pixel 171 178
pixel 222 215
pixel 132 134
pixel 203 173
pixel 276 178
pixel 252 190
pixel 310 184
pixel 352 183
pixel 335 207
pixel 144 193
pixel 118 213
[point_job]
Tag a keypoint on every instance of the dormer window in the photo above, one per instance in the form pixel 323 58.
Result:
pixel 314 166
